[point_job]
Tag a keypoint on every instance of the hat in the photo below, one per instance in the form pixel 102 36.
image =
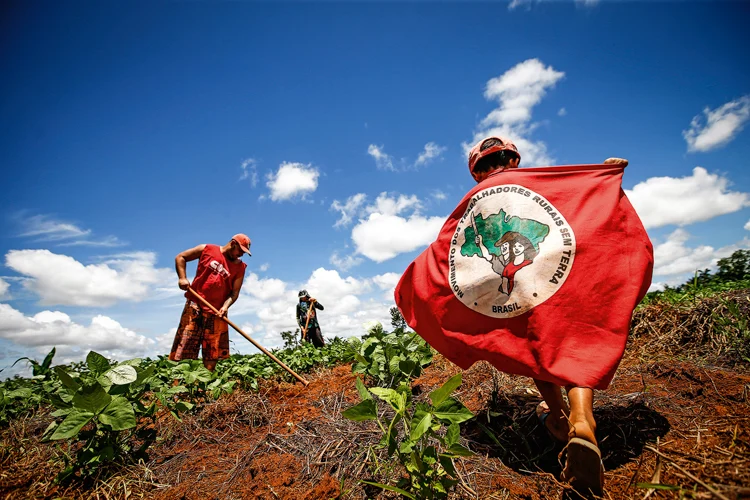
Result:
pixel 243 241
pixel 303 293
pixel 477 153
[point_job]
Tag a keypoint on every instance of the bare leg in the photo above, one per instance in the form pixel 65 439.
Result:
pixel 582 420
pixel 557 422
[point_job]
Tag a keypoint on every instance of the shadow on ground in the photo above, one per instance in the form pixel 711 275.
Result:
pixel 508 429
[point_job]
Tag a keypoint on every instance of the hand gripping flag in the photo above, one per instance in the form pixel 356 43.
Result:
pixel 537 271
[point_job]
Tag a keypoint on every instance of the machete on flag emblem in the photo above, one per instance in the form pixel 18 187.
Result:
pixel 537 271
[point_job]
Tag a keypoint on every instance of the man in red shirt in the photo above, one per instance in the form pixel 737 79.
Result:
pixel 218 279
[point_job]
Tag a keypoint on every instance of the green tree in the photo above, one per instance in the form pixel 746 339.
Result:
pixel 735 267
pixel 291 339
pixel 397 321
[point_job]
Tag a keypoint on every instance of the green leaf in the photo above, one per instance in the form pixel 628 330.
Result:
pixel 121 374
pixel 119 414
pixel 453 411
pixel 461 451
pixel 66 379
pixel 366 410
pixel 392 397
pixel 439 395
pixel 133 362
pixel 91 398
pixel 420 423
pixel 407 367
pixel 452 434
pixel 391 488
pixel 61 413
pixel 48 359
pixel 72 424
pixel 447 463
pixel 657 486
pixel 393 365
pixel 97 363
pixel 364 394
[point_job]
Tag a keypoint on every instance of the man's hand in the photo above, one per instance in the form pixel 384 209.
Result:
pixel 478 240
pixel 183 283
pixel 223 311
pixel 616 161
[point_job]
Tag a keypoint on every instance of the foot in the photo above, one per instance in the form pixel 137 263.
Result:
pixel 557 428
pixel 583 468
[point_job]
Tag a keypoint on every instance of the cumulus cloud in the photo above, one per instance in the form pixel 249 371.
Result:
pixel 389 230
pixel 382 160
pixel 430 152
pixel 347 301
pixel 348 209
pixel 387 282
pixel 675 262
pixel 747 226
pixel 49 329
pixel 61 280
pixel 250 171
pixel 4 289
pixel 517 91
pixel 264 267
pixel 661 201
pixel 291 180
pixel 344 263
pixel 717 127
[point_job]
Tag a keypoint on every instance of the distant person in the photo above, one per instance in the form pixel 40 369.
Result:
pixel 306 315
pixel 218 279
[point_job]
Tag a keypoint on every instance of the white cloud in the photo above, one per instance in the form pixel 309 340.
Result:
pixel 49 329
pixel 62 280
pixel 439 195
pixel 719 126
pixel 518 3
pixel 385 233
pixel 344 263
pixel 673 257
pixel 48 229
pixel 387 282
pixel 345 299
pixel 45 228
pixel 264 267
pixel 292 179
pixel 4 287
pixel 587 3
pixel 382 160
pixel 517 91
pixel 562 112
pixel 661 201
pixel 747 226
pixel 348 209
pixel 250 171
pixel 430 152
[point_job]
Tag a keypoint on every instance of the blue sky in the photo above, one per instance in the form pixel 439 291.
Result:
pixel 335 136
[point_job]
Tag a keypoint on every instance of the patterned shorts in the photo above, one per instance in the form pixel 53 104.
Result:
pixel 200 329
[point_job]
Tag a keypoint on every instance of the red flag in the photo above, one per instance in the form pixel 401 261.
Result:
pixel 537 271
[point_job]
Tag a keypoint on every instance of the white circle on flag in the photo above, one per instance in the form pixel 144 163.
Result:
pixel 523 256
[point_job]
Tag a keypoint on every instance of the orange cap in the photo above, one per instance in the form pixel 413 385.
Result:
pixel 243 241
pixel 477 154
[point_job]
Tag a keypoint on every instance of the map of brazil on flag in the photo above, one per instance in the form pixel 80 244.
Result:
pixel 537 271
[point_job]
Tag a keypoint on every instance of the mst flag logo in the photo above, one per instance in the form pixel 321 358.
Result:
pixel 511 251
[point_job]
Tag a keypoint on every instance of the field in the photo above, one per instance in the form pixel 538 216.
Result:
pixel 675 422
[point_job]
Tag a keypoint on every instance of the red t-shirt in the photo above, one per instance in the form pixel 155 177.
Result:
pixel 214 277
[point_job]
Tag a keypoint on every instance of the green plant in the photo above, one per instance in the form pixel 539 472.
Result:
pixel 19 396
pixel 414 434
pixel 391 359
pixel 102 407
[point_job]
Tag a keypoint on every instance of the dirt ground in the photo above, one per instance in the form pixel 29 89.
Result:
pixel 670 422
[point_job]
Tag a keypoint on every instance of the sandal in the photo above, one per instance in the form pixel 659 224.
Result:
pixel 583 468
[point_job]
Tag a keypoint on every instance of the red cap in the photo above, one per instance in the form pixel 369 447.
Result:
pixel 243 241
pixel 476 154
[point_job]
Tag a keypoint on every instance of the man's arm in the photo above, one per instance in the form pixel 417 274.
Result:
pixel 236 287
pixel 180 264
pixel 318 305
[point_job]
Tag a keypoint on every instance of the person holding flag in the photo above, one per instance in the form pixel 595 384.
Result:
pixel 585 262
